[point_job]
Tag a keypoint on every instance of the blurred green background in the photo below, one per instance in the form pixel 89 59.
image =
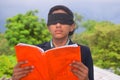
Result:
pixel 103 38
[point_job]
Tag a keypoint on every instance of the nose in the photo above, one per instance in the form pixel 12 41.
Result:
pixel 58 25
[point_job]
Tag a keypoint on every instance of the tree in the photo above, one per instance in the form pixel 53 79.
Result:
pixel 26 28
pixel 105 44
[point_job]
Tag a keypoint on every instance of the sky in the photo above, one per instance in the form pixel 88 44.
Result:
pixel 100 10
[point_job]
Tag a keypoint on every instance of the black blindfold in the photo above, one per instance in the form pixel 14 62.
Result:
pixel 60 18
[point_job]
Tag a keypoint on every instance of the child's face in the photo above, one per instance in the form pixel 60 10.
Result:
pixel 59 30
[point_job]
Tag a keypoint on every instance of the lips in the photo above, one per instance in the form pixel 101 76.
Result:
pixel 58 31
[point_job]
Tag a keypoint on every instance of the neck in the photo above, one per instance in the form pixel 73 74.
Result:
pixel 59 42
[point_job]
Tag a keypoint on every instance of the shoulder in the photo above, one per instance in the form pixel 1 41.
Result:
pixel 84 48
pixel 42 44
pixel 85 52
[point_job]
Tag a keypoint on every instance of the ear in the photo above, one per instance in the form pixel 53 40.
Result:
pixel 73 26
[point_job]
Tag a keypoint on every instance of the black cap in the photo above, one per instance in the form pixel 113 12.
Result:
pixel 62 7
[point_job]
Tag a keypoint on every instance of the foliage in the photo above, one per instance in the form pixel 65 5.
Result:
pixel 89 25
pixel 78 19
pixel 4 49
pixel 26 28
pixel 6 65
pixel 105 44
pixel 104 41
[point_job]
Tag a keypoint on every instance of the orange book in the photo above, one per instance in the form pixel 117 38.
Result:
pixel 53 64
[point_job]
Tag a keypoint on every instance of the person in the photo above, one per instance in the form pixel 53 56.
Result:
pixel 61 25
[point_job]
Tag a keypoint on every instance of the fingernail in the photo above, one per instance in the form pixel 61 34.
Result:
pixel 26 61
pixel 74 61
pixel 32 66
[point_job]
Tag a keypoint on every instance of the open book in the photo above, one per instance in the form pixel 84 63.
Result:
pixel 53 64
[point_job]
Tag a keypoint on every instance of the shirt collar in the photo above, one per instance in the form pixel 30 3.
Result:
pixel 52 46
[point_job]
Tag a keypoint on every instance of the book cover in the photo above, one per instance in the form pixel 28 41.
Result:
pixel 53 64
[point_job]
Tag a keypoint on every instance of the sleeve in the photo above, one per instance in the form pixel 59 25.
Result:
pixel 87 60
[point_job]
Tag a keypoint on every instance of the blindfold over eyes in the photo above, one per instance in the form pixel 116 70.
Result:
pixel 60 18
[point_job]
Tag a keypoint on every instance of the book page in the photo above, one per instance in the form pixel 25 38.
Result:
pixel 24 44
pixel 35 58
pixel 59 61
pixel 72 45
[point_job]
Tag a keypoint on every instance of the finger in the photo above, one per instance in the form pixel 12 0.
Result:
pixel 23 69
pixel 23 72
pixel 80 75
pixel 77 73
pixel 21 63
pixel 79 66
pixel 19 76
pixel 80 70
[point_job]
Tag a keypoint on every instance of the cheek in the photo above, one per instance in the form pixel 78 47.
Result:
pixel 50 29
pixel 68 29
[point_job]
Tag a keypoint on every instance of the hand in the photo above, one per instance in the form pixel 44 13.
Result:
pixel 79 70
pixel 19 72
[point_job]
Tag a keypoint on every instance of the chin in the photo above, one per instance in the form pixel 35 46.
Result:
pixel 59 37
